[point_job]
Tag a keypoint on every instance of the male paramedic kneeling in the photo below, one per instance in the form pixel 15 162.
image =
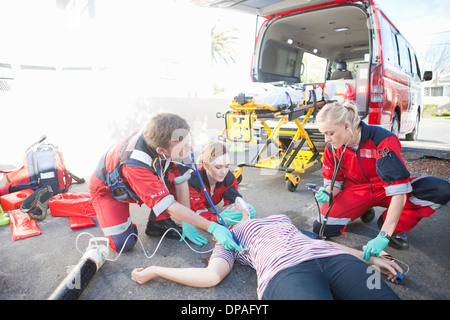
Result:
pixel 139 170
pixel 371 173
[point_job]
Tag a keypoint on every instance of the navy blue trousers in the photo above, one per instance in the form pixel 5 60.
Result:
pixel 341 277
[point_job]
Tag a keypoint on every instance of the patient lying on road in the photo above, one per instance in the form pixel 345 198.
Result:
pixel 289 265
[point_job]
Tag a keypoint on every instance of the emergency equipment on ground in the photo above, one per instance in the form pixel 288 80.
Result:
pixel 43 166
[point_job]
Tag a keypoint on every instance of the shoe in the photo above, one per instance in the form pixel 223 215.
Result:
pixel 398 241
pixel 36 204
pixel 158 228
pixel 368 216
pixel 380 222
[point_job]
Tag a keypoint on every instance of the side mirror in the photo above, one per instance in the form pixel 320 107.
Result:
pixel 427 75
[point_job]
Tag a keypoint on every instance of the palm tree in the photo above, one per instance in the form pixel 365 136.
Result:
pixel 221 49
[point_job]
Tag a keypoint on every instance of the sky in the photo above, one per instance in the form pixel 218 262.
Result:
pixel 37 32
pixel 423 23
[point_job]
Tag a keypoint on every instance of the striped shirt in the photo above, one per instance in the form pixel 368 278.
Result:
pixel 273 244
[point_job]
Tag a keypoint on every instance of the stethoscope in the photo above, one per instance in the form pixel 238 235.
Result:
pixel 194 168
pixel 337 166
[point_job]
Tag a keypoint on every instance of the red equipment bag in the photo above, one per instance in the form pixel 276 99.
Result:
pixel 22 225
pixel 80 222
pixel 43 166
pixel 75 204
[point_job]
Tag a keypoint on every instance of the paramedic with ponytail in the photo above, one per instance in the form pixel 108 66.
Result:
pixel 371 173
pixel 220 183
pixel 139 169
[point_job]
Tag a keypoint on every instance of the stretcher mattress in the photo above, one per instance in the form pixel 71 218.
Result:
pixel 282 97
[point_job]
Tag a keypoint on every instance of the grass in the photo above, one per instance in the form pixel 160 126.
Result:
pixel 431 111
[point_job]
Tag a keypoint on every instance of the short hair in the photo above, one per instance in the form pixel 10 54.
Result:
pixel 337 113
pixel 163 128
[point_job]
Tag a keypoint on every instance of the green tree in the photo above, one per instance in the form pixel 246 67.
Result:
pixel 221 46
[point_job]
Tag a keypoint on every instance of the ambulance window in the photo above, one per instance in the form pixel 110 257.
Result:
pixel 405 62
pixel 389 46
pixel 417 66
pixel 315 68
pixel 413 62
pixel 395 50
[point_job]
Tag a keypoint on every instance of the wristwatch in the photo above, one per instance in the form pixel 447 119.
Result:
pixel 384 234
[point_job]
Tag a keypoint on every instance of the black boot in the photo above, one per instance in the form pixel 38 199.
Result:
pixel 158 228
pixel 368 216
pixel 398 241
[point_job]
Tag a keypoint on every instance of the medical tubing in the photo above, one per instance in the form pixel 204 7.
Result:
pixel 212 204
pixel 142 245
pixel 156 249
pixel 390 257
pixel 330 204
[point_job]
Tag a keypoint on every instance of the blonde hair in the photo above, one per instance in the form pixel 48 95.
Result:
pixel 211 151
pixel 337 114
pixel 163 128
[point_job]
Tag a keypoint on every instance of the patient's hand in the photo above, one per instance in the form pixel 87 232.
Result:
pixel 141 275
pixel 387 267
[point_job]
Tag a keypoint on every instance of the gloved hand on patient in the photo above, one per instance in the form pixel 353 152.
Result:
pixel 374 247
pixel 190 232
pixel 232 214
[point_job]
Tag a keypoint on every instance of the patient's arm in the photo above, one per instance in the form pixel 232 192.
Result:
pixel 210 276
pixel 387 267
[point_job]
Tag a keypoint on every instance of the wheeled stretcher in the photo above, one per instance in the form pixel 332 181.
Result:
pixel 286 105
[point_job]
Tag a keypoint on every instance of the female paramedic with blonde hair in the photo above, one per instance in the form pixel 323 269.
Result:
pixel 289 265
pixel 140 169
pixel 220 184
pixel 371 173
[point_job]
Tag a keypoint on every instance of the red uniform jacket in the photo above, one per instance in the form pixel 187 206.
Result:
pixel 227 190
pixel 376 160
pixel 135 174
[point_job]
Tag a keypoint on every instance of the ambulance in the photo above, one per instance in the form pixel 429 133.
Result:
pixel 350 44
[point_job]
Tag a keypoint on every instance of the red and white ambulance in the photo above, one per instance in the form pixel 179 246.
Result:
pixel 349 43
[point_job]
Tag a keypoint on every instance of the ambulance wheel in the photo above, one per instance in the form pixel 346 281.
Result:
pixel 290 186
pixel 368 216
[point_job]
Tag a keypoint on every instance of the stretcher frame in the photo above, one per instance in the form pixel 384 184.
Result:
pixel 291 159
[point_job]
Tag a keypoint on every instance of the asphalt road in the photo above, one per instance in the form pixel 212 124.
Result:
pixel 434 134
pixel 32 268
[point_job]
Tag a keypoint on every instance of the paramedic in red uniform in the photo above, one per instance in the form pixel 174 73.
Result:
pixel 139 170
pixel 221 185
pixel 372 173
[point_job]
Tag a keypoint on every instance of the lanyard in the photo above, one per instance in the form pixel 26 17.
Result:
pixel 163 171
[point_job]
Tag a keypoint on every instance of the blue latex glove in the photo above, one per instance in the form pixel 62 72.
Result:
pixel 192 234
pixel 252 211
pixel 230 217
pixel 375 246
pixel 223 236
pixel 322 195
